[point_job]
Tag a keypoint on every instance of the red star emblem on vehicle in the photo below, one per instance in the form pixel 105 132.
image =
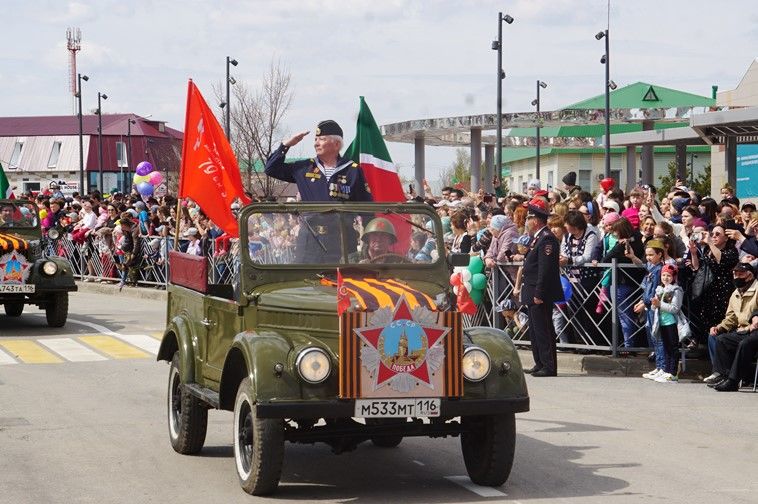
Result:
pixel 403 346
pixel 13 268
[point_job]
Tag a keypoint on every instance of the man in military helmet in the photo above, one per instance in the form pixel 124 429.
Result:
pixel 325 177
pixel 378 238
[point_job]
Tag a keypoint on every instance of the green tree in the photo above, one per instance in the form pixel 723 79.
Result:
pixel 459 171
pixel 701 185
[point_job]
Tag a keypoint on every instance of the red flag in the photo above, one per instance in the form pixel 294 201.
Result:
pixel 209 173
pixel 343 298
pixel 465 303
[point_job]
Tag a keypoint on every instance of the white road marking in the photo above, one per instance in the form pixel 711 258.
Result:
pixel 481 491
pixel 71 350
pixel 6 359
pixel 141 341
pixel 418 462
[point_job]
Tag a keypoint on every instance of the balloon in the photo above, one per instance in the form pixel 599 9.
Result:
pixel 455 290
pixel 476 296
pixel 466 275
pixel 475 265
pixel 144 168
pixel 145 188
pixel 568 289
pixel 468 286
pixel 455 279
pixel 155 178
pixel 479 281
pixel 138 179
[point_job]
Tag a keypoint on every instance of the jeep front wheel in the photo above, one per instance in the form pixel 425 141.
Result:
pixel 488 444
pixel 14 309
pixel 56 310
pixel 258 445
pixel 187 415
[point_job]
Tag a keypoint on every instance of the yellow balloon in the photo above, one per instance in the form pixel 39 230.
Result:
pixel 138 179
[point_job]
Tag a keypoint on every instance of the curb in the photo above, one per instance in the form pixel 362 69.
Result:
pixel 112 289
pixel 605 365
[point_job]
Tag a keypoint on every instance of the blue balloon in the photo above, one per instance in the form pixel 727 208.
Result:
pixel 145 188
pixel 568 289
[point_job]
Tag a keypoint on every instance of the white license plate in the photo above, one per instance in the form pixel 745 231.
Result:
pixel 26 288
pixel 397 408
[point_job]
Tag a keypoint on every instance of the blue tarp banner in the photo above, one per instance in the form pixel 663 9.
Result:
pixel 747 171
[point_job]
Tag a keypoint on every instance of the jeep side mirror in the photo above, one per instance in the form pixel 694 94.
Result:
pixel 458 259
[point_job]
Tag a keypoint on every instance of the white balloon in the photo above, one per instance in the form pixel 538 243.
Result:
pixel 467 285
pixel 460 269
pixel 455 290
pixel 466 275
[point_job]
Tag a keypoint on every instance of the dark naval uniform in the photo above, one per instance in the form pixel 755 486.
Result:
pixel 318 239
pixel 541 279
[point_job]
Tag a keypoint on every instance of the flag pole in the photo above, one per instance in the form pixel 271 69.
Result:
pixel 181 167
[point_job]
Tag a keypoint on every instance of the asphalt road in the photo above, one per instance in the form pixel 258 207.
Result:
pixel 90 427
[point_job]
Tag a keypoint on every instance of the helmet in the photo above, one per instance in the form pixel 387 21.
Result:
pixel 379 225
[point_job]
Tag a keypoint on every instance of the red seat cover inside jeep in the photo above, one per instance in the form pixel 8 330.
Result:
pixel 188 270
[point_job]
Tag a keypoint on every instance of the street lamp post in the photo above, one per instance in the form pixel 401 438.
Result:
pixel 129 123
pixel 609 84
pixel 80 78
pixel 536 102
pixel 100 96
pixel 229 80
pixel 497 45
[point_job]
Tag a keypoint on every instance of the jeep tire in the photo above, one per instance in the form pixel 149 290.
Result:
pixel 488 444
pixel 258 445
pixel 14 308
pixel 187 415
pixel 56 309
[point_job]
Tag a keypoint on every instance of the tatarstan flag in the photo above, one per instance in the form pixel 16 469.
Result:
pixel 5 186
pixel 370 152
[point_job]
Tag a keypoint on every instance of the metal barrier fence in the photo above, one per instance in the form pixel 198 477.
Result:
pixel 97 260
pixel 594 318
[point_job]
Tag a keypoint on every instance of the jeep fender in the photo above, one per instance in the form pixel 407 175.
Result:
pixel 178 336
pixel 258 352
pixel 502 351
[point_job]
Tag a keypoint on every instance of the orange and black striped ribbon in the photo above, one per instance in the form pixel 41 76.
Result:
pixel 373 294
pixel 10 242
pixel 350 353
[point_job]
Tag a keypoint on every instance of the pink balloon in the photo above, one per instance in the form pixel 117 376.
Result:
pixel 155 178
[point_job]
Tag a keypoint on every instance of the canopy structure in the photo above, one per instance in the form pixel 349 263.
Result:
pixel 636 107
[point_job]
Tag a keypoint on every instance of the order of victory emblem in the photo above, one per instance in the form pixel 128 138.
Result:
pixel 403 349
pixel 14 268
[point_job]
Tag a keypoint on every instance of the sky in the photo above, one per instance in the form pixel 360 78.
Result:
pixel 411 59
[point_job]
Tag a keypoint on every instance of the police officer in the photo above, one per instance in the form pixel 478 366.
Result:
pixel 326 177
pixel 541 288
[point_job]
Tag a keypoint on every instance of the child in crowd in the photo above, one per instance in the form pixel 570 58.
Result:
pixel 654 256
pixel 667 306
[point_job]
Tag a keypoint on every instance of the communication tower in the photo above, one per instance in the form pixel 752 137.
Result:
pixel 74 44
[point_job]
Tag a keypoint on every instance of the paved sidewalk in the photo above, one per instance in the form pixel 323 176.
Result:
pixel 142 292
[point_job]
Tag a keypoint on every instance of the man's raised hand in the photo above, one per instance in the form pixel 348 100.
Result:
pixel 295 139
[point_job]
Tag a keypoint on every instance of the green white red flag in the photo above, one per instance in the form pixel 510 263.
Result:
pixel 5 186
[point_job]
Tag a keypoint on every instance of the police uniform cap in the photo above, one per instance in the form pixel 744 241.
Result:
pixel 328 127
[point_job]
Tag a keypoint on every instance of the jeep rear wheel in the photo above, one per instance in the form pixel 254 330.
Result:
pixel 258 445
pixel 187 415
pixel 14 309
pixel 488 444
pixel 56 310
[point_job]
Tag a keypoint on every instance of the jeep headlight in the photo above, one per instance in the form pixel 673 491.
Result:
pixel 313 365
pixel 49 268
pixel 53 234
pixel 476 364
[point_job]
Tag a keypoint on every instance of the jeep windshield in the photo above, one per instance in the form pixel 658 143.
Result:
pixel 339 237
pixel 18 215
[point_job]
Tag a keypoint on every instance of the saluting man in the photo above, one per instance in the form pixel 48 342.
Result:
pixel 326 177
pixel 541 288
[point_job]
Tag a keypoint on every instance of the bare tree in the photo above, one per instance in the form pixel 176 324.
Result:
pixel 256 119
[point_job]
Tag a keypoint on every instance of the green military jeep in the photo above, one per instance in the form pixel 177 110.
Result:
pixel 27 274
pixel 337 327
